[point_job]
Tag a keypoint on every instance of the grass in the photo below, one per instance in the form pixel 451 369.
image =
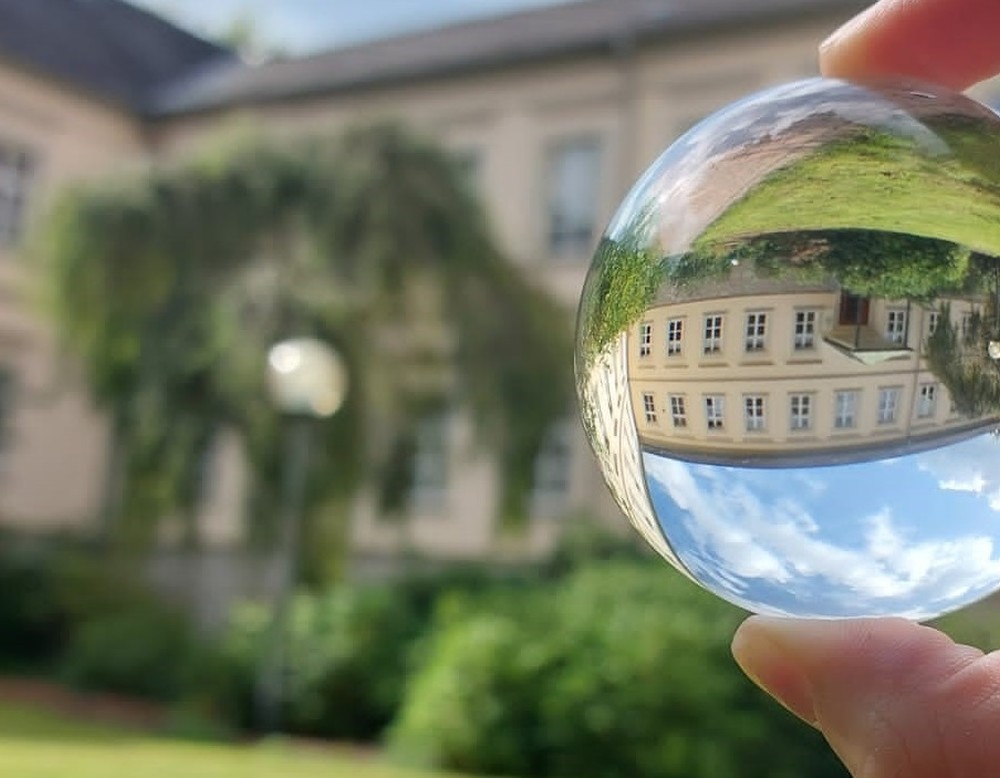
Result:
pixel 879 182
pixel 35 744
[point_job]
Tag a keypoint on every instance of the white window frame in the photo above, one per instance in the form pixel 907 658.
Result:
pixel 573 185
pixel 675 337
pixel 927 400
pixel 649 407
pixel 17 169
pixel 755 332
pixel 800 412
pixel 554 465
pixel 712 333
pixel 845 409
pixel 645 339
pixel 8 389
pixel 431 463
pixel 715 412
pixel 887 411
pixel 804 335
pixel 678 411
pixel 965 324
pixel 754 412
pixel 895 326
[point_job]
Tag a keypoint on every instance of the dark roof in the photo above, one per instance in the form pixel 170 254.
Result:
pixel 561 30
pixel 106 47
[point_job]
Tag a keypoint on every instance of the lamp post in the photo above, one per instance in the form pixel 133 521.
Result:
pixel 307 381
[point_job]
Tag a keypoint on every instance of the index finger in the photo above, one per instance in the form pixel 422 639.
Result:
pixel 949 42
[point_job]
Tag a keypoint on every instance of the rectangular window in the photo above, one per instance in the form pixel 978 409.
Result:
pixel 800 406
pixel 926 401
pixel 645 339
pixel 753 407
pixel 6 406
pixel 16 169
pixel 678 411
pixel 715 411
pixel 966 324
pixel 649 407
pixel 430 463
pixel 756 329
pixel 713 334
pixel 573 186
pixel 805 330
pixel 895 326
pixel 675 337
pixel 553 464
pixel 845 410
pixel 888 405
pixel 469 163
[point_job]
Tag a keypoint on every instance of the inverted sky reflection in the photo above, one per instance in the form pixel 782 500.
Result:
pixel 915 536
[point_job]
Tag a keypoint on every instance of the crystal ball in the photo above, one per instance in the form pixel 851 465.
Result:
pixel 788 351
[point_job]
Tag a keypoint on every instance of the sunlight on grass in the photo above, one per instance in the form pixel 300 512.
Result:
pixel 877 182
pixel 39 745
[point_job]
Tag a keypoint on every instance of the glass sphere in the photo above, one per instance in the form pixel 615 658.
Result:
pixel 787 351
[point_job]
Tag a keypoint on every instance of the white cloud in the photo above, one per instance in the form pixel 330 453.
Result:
pixel 743 535
pixel 972 467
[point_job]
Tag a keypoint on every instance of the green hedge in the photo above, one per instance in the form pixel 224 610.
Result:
pixel 345 656
pixel 68 612
pixel 621 670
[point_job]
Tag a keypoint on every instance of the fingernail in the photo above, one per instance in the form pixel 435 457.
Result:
pixel 759 651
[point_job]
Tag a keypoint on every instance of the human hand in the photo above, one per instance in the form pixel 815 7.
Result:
pixel 949 42
pixel 894 699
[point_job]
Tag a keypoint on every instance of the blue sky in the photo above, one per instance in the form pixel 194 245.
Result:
pixel 301 26
pixel 916 536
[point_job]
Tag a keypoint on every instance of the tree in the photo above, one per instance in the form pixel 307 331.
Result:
pixel 626 275
pixel 169 288
pixel 869 263
pixel 961 361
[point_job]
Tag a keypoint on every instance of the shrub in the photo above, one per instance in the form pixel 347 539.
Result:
pixel 621 670
pixel 347 657
pixel 32 624
pixel 148 652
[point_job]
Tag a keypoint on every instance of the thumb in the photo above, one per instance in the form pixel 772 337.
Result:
pixel 893 698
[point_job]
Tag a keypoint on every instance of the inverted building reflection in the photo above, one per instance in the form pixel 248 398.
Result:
pixel 780 351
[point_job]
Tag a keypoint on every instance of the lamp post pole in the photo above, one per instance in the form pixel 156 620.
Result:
pixel 307 382
pixel 273 678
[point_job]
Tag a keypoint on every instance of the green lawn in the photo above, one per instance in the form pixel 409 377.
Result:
pixel 39 745
pixel 878 182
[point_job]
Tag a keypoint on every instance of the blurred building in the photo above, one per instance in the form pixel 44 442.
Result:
pixel 553 112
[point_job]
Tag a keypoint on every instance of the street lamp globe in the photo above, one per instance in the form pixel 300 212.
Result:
pixel 306 377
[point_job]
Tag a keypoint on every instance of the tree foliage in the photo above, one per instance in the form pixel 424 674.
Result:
pixel 869 263
pixel 621 669
pixel 171 285
pixel 627 272
pixel 961 361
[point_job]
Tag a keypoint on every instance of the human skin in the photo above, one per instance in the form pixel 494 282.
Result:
pixel 893 698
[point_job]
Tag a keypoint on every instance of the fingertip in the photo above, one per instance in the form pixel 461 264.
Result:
pixel 947 42
pixel 842 54
pixel 891 696
pixel 770 665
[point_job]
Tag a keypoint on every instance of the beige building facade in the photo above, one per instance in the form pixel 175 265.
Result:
pixel 554 113
pixel 51 437
pixel 811 376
